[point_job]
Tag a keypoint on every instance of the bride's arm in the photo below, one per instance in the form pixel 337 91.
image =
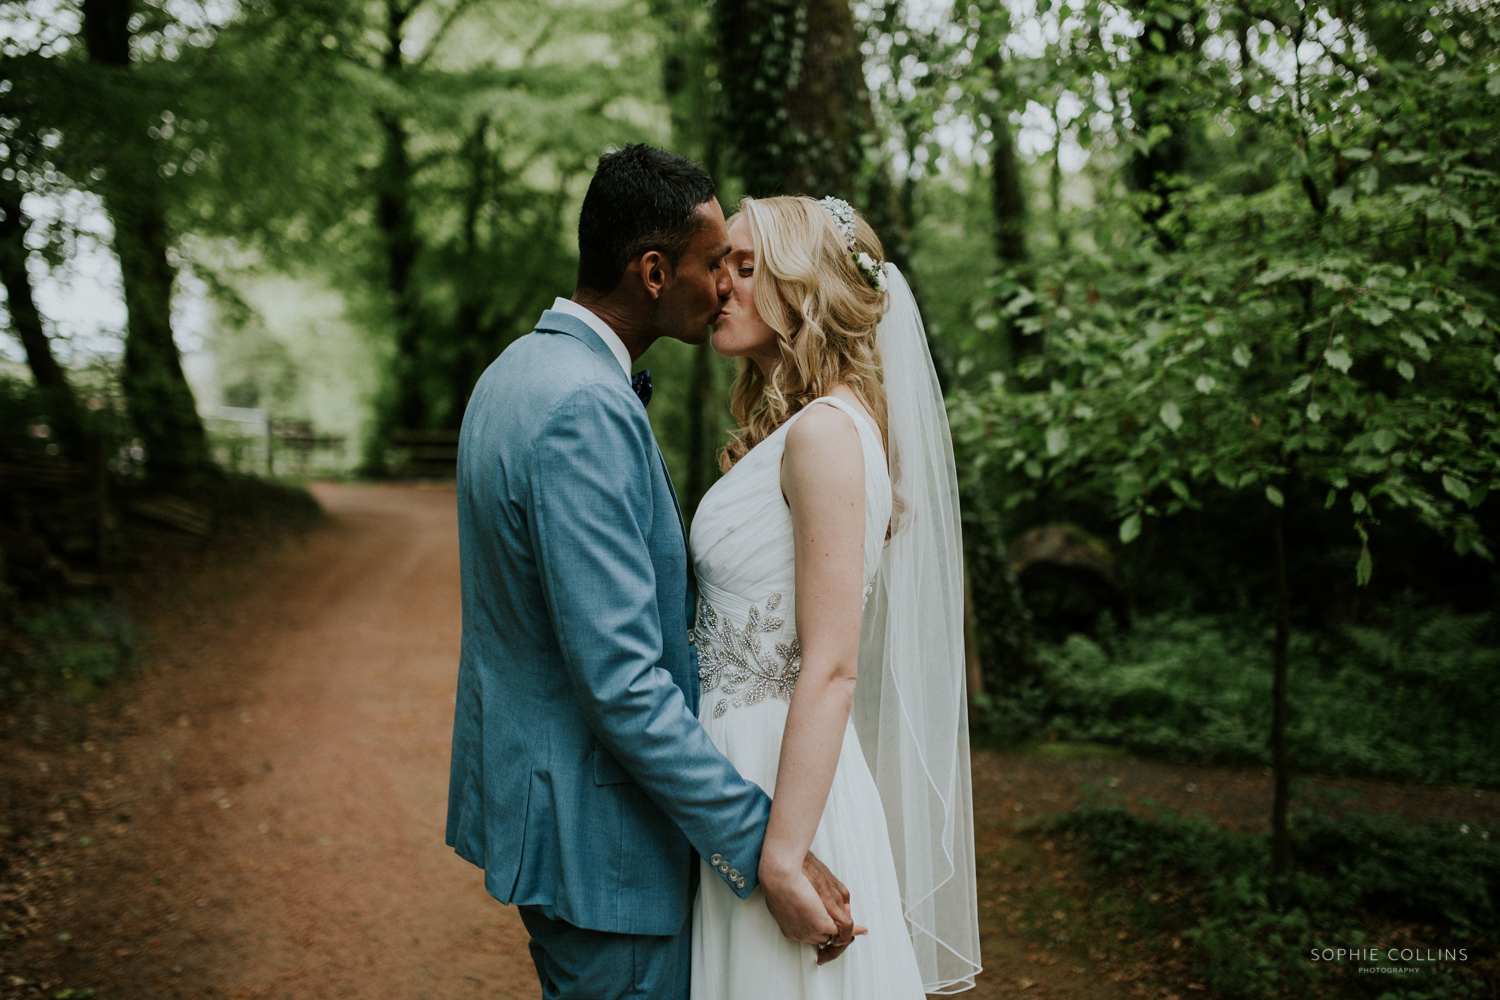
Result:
pixel 822 477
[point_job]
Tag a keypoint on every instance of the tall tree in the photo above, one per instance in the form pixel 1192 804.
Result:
pixel 396 216
pixel 1162 104
pixel 161 403
pixel 25 318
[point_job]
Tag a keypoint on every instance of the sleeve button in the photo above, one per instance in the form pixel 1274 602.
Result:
pixel 715 859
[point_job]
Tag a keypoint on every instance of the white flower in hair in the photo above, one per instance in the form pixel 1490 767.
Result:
pixel 843 217
pixel 872 271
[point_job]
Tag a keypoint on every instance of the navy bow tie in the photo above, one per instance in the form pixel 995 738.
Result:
pixel 641 383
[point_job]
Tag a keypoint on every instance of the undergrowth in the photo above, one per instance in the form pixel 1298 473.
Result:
pixel 1422 899
pixel 1414 698
pixel 69 649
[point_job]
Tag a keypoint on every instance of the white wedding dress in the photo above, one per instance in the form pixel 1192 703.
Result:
pixel 749 658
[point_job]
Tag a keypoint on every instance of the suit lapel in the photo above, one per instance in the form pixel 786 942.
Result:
pixel 676 506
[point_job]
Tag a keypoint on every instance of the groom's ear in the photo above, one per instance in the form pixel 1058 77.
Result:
pixel 654 270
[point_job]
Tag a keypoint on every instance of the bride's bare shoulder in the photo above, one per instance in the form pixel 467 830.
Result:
pixel 821 428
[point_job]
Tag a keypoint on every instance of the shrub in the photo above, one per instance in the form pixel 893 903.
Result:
pixel 1413 698
pixel 1358 882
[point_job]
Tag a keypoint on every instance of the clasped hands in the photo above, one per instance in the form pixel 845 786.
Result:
pixel 810 905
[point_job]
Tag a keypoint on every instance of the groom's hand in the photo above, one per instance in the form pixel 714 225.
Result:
pixel 835 898
pixel 800 910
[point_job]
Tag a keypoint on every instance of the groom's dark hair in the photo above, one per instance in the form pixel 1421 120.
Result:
pixel 641 199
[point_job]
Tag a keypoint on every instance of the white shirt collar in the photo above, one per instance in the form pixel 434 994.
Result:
pixel 611 340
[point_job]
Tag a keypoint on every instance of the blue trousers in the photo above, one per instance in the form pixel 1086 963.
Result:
pixel 577 964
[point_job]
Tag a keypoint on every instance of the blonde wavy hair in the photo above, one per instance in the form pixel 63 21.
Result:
pixel 824 312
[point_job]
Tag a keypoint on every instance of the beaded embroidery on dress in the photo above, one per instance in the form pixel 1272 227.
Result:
pixel 749 658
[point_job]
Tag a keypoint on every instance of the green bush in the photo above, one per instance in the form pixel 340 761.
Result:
pixel 1414 698
pixel 70 648
pixel 1358 882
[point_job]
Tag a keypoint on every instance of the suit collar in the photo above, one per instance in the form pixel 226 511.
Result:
pixel 553 321
pixel 596 323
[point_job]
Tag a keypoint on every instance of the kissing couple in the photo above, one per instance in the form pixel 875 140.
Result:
pixel 732 761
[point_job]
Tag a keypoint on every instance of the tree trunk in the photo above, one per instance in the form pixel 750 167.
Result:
pixel 1054 184
pixel 1007 190
pixel 24 317
pixel 798 110
pixel 160 400
pixel 1007 200
pixel 476 341
pixel 1280 842
pixel 1003 643
pixel 397 221
pixel 1158 98
pixel 701 398
pixel 396 217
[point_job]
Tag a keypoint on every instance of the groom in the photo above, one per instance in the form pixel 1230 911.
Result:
pixel 581 780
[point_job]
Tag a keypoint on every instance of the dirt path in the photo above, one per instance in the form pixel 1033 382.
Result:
pixel 286 787
pixel 265 817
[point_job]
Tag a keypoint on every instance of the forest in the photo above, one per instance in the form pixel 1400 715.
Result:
pixel 1212 287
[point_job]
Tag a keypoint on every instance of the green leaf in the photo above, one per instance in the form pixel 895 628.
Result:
pixel 1338 358
pixel 1130 529
pixel 1300 385
pixel 1225 478
pixel 1359 503
pixel 1385 439
pixel 1417 344
pixel 1205 384
pixel 1497 362
pixel 1314 412
pixel 1406 370
pixel 1171 415
pixel 1242 357
pixel 1274 495
pixel 1456 487
pixel 1180 488
pixel 1057 440
pixel 1332 496
pixel 1376 314
pixel 1364 568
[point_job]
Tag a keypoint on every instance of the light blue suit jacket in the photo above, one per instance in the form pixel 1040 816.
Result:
pixel 581 780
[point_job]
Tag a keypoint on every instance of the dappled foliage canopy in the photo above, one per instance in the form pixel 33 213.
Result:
pixel 1305 300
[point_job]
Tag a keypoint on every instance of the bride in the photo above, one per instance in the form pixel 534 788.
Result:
pixel 829 553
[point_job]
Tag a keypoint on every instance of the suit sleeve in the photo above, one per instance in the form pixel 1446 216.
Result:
pixel 593 509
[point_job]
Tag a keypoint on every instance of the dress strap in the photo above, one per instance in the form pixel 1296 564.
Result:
pixel 861 422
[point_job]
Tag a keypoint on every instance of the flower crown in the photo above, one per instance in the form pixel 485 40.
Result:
pixel 843 217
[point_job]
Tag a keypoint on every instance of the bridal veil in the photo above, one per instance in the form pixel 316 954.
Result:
pixel 909 706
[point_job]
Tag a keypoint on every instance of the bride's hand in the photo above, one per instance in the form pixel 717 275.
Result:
pixel 798 909
pixel 802 915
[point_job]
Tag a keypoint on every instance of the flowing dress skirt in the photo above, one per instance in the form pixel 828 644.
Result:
pixel 738 950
